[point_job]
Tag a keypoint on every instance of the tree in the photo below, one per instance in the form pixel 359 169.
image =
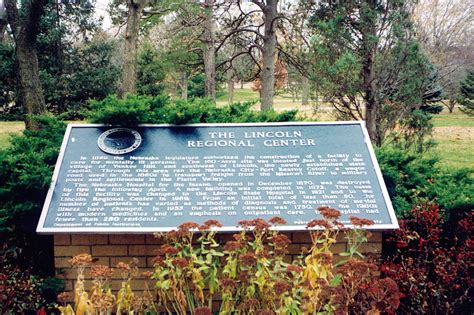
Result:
pixel 467 93
pixel 367 62
pixel 75 61
pixel 445 30
pixel 130 53
pixel 254 29
pixel 89 74
pixel 209 53
pixel 75 58
pixel 268 49
pixel 24 23
pixel 280 78
pixel 150 72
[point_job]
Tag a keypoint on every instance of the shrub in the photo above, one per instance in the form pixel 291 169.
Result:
pixel 129 111
pixel 432 262
pixel 19 290
pixel 26 167
pixel 133 110
pixel 432 108
pixel 411 176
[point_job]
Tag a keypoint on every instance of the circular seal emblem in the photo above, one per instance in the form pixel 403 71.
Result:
pixel 119 141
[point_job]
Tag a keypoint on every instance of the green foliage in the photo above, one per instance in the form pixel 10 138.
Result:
pixel 363 51
pixel 26 167
pixel 75 61
pixel 151 72
pixel 88 73
pixel 7 81
pixel 416 81
pixel 467 93
pixel 146 109
pixel 410 177
pixel 129 111
pixel 432 109
pixel 414 132
pixel 196 86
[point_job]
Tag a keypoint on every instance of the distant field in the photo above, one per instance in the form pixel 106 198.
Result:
pixel 454 132
pixel 457 118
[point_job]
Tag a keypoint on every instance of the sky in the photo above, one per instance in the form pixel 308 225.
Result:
pixel 101 11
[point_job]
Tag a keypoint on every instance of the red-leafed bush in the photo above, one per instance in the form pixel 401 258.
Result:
pixel 432 263
pixel 19 291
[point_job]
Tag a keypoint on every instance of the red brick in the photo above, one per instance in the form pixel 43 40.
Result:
pixel 225 237
pixel 109 250
pixel 70 251
pixel 371 248
pixel 62 262
pixel 126 259
pixel 68 274
pixel 301 237
pixel 89 239
pixel 127 239
pixel 149 262
pixel 68 285
pixel 142 250
pixel 98 260
pixel 338 248
pixel 294 249
pixel 151 239
pixel 62 239
pixel 375 237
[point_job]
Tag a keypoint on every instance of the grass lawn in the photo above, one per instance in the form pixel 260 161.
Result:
pixel 8 128
pixel 457 118
pixel 455 146
pixel 454 134
pixel 240 95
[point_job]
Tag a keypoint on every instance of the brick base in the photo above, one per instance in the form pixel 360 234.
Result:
pixel 110 249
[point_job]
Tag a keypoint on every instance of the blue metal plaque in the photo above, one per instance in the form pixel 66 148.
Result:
pixel 154 177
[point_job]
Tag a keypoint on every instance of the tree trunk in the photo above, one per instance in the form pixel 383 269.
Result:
pixel 305 86
pixel 209 54
pixel 368 31
pixel 25 28
pixel 184 85
pixel 129 71
pixel 3 27
pixel 268 55
pixel 230 89
pixel 241 84
pixel 452 103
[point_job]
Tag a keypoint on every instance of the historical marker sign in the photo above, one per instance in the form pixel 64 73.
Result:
pixel 155 177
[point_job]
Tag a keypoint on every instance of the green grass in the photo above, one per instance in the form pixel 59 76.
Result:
pixel 454 134
pixel 457 118
pixel 455 146
pixel 240 95
pixel 7 128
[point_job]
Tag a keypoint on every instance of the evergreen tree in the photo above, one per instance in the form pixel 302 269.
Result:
pixel 467 93
pixel 151 74
pixel 368 64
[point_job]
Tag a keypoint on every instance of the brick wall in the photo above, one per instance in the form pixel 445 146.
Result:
pixel 110 249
